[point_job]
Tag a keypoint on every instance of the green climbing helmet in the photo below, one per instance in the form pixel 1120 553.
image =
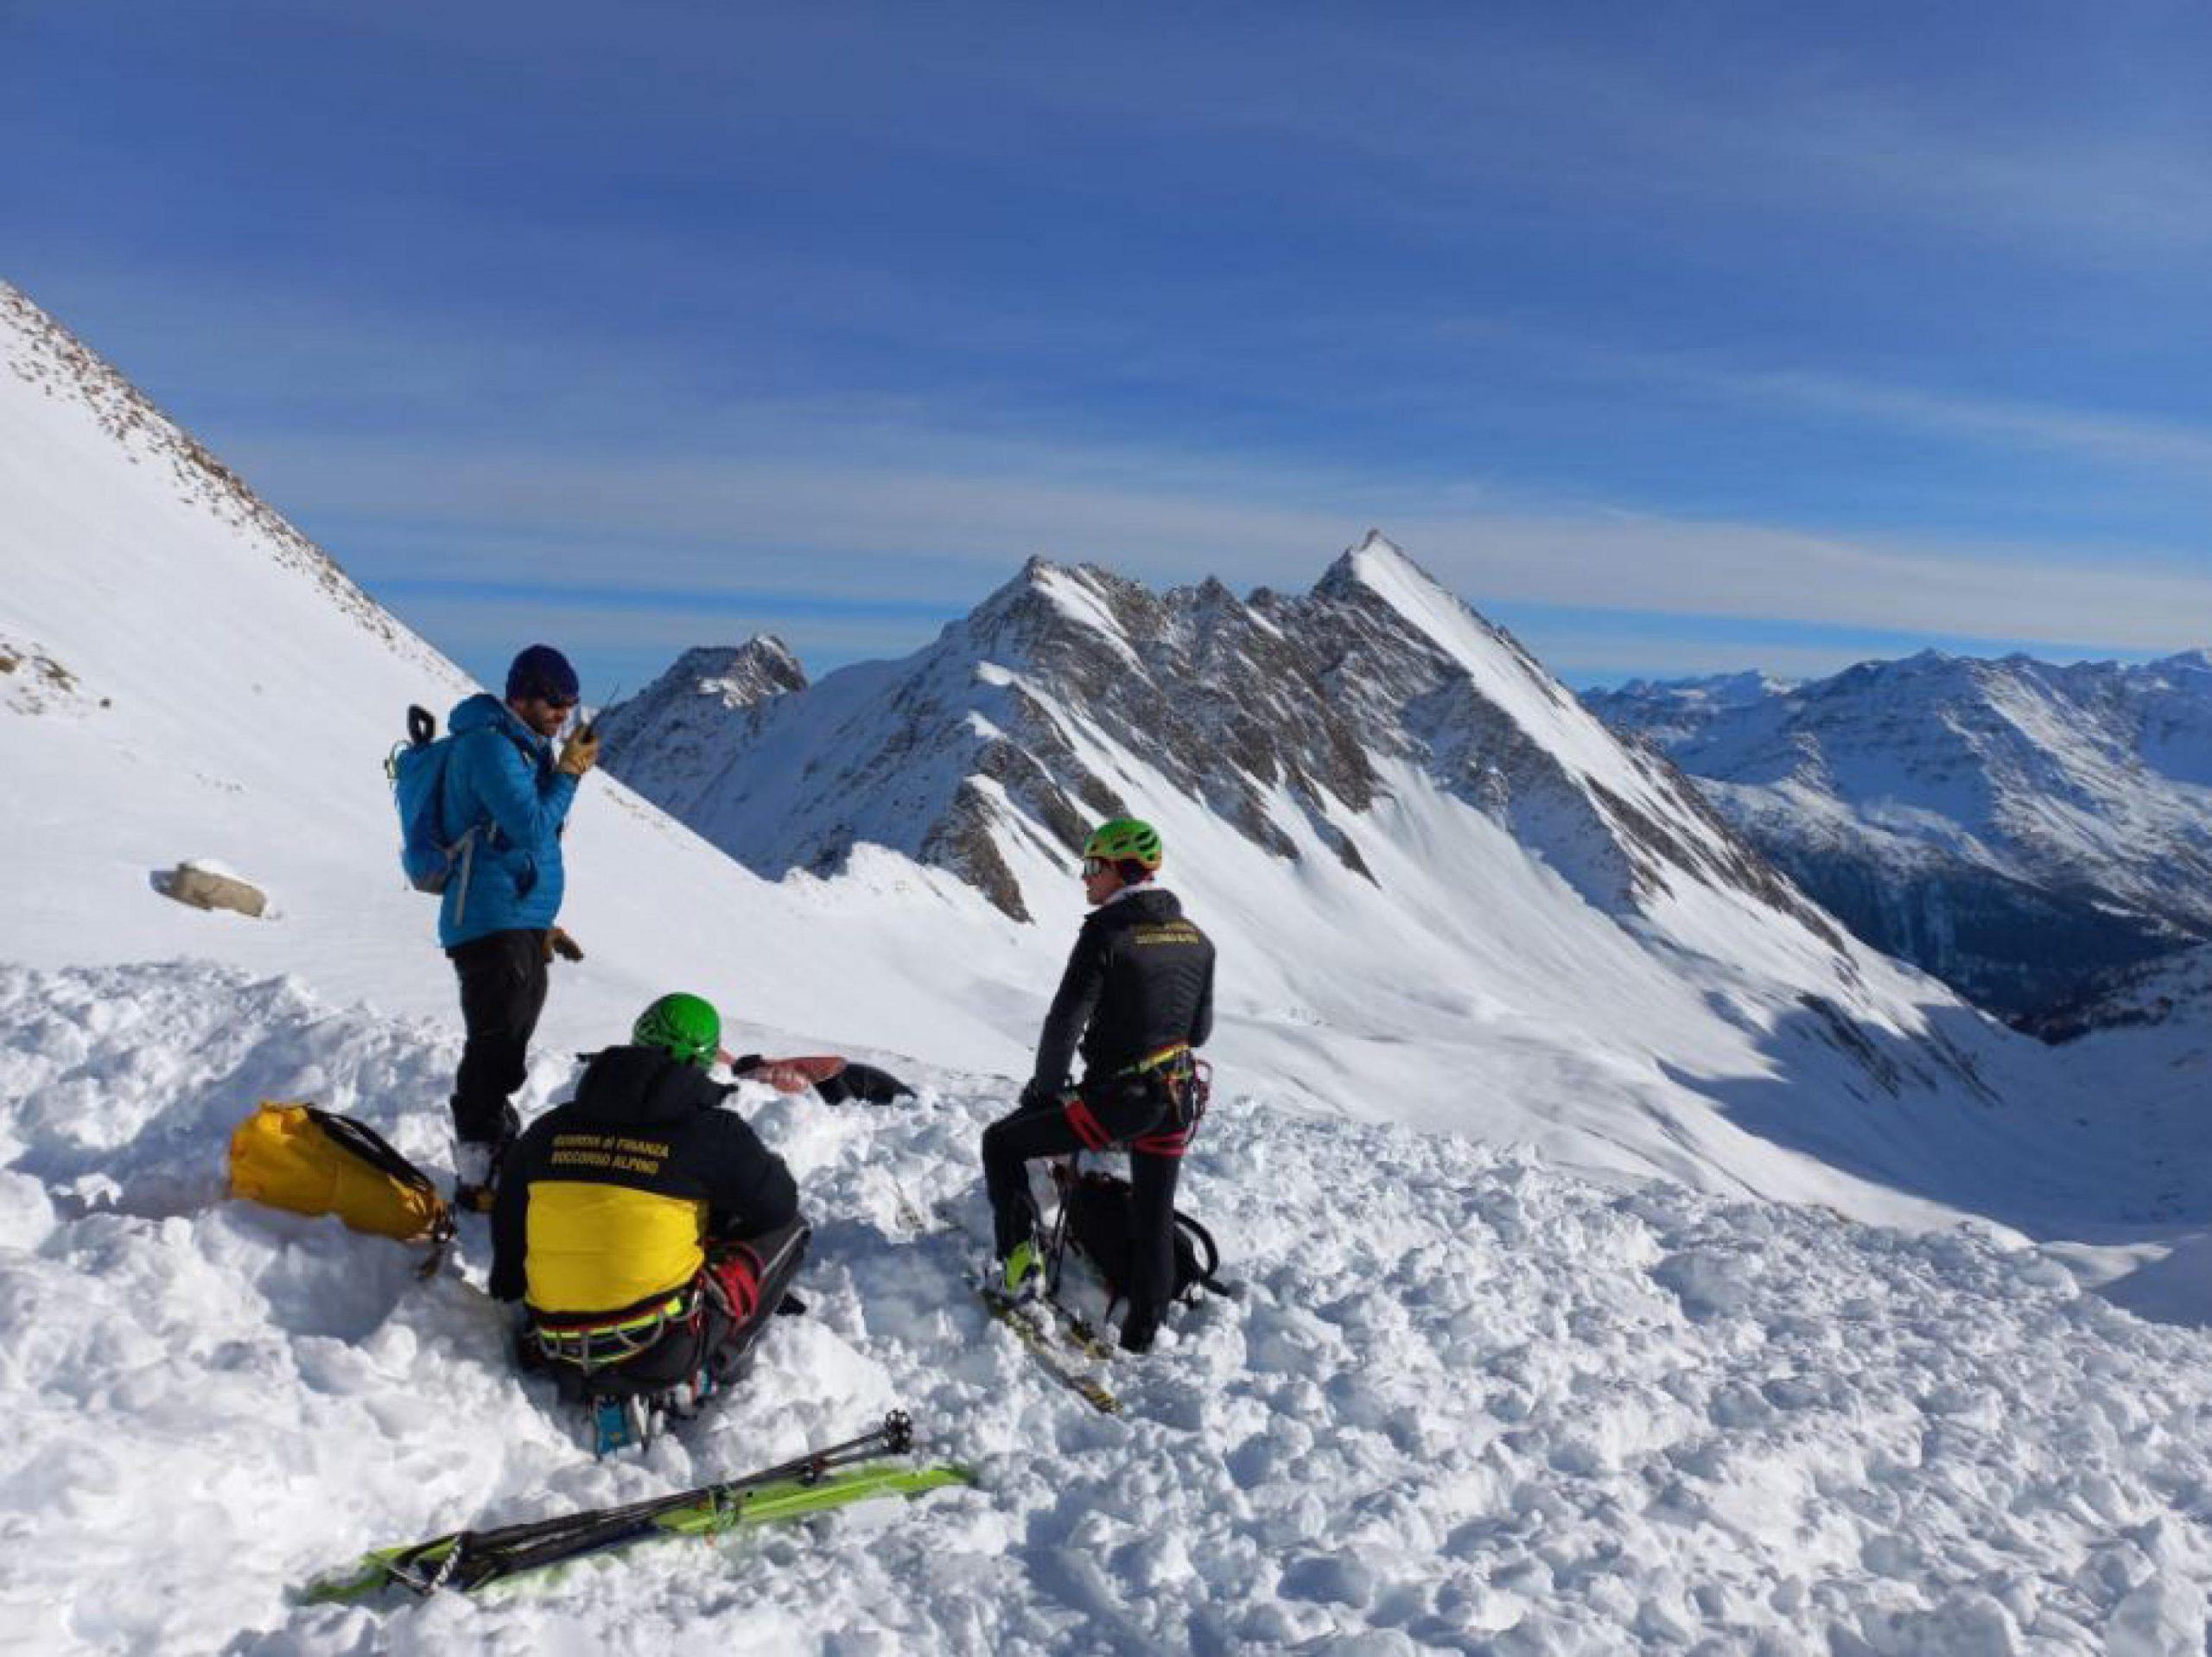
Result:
pixel 1124 839
pixel 683 1026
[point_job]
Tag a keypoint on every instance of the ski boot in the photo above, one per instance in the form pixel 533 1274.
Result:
pixel 618 1423
pixel 475 1175
pixel 1018 1280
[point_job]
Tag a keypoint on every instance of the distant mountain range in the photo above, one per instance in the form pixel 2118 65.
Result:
pixel 2019 829
pixel 1279 714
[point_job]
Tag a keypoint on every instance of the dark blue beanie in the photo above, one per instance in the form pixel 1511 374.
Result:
pixel 541 671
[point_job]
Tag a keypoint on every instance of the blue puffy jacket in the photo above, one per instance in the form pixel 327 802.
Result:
pixel 500 781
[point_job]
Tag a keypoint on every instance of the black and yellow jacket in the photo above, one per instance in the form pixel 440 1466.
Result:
pixel 1140 978
pixel 611 1199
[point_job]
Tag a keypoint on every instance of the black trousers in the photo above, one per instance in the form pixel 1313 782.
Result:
pixel 1093 1117
pixel 502 993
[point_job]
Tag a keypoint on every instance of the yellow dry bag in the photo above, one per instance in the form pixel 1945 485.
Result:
pixel 313 1161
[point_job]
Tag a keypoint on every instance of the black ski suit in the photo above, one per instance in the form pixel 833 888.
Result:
pixel 624 1202
pixel 1139 982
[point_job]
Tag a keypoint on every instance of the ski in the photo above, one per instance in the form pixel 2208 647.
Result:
pixel 1078 1331
pixel 468 1560
pixel 1049 1355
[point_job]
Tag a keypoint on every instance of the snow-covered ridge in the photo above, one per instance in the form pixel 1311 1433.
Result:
pixel 2174 990
pixel 41 352
pixel 1276 713
pixel 682 728
pixel 2017 828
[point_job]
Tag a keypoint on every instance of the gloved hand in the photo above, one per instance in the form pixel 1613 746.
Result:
pixel 558 943
pixel 579 753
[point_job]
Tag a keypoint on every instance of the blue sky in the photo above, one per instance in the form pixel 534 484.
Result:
pixel 1678 337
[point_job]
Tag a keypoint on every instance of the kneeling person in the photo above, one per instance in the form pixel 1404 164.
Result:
pixel 649 1232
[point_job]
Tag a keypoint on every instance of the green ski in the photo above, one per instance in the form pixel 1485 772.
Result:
pixel 471 1559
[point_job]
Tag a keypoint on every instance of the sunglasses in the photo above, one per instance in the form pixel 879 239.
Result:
pixel 1095 866
pixel 558 704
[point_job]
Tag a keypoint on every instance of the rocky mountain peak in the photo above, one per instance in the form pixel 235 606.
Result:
pixel 1285 717
pixel 668 735
pixel 1375 562
pixel 738 675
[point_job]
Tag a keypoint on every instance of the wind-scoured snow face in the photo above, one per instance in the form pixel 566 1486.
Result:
pixel 2018 828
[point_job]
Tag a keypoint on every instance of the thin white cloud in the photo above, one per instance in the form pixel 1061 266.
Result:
pixel 2179 448
pixel 1763 573
pixel 938 522
pixel 493 621
pixel 2163 445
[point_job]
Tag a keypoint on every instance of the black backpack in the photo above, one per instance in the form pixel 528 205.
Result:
pixel 1099 1214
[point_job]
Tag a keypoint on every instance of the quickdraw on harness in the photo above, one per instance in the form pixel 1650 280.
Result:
pixel 1189 1081
pixel 729 1281
pixel 603 1341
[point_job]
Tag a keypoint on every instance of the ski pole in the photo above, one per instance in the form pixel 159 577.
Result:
pixel 1057 1246
pixel 469 1558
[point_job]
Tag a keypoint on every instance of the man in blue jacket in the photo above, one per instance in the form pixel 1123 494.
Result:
pixel 507 790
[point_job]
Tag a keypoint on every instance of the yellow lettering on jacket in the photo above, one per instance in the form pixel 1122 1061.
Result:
pixel 1167 932
pixel 614 1152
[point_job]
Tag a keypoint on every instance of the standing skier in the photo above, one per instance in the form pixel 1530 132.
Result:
pixel 505 787
pixel 1138 996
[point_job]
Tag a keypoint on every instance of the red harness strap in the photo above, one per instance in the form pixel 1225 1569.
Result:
pixel 1172 1142
pixel 1088 1127
pixel 735 1271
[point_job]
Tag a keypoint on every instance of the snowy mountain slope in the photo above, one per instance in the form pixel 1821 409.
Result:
pixel 225 691
pixel 1676 1013
pixel 1427 863
pixel 2015 828
pixel 1472 1400
pixel 1466 1403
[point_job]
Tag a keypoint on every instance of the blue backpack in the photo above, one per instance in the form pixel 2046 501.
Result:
pixel 418 770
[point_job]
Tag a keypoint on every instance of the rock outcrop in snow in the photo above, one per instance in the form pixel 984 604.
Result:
pixel 2016 829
